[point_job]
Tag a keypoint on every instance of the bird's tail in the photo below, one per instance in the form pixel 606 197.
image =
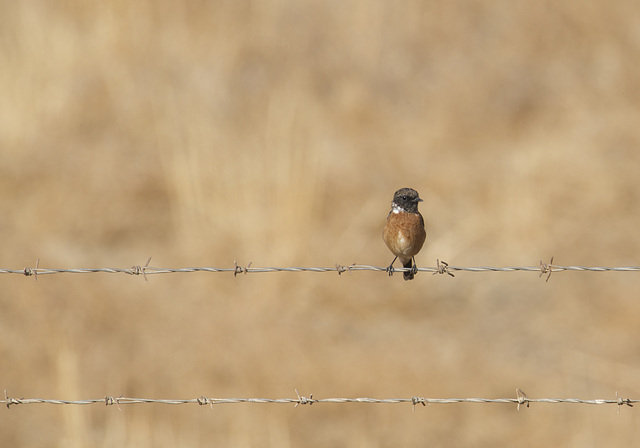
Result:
pixel 408 275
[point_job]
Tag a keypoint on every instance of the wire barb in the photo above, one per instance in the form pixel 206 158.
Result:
pixel 240 269
pixel 304 400
pixel 202 400
pixel 522 398
pixel 137 269
pixel 28 272
pixel 623 402
pixel 442 267
pixel 340 268
pixel 9 401
pixel 109 401
pixel 418 400
pixel 546 268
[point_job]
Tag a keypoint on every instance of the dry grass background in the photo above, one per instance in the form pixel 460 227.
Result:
pixel 276 132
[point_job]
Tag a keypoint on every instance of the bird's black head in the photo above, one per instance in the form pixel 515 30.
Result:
pixel 406 199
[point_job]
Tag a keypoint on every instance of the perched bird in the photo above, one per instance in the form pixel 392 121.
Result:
pixel 404 231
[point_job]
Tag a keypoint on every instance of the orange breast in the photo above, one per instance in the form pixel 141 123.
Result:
pixel 404 234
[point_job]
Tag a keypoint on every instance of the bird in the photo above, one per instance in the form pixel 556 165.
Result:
pixel 404 231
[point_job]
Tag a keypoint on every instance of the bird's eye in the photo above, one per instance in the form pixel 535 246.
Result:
pixel 405 197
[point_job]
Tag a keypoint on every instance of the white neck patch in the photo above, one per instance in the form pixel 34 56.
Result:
pixel 395 208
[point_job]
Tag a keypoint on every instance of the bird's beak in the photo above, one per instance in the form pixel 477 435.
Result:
pixel 419 200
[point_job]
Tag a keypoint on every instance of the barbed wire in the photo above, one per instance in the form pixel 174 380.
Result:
pixel 441 267
pixel 521 399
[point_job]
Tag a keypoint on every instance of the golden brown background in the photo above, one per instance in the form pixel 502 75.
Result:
pixel 275 132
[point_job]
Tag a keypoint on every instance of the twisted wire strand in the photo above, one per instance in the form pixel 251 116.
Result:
pixel 521 399
pixel 441 268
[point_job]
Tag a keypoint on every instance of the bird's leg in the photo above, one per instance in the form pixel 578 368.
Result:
pixel 414 268
pixel 390 269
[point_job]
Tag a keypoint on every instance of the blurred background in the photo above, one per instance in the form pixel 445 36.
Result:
pixel 275 132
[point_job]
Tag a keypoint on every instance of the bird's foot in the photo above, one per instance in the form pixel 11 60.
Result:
pixel 414 268
pixel 390 270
